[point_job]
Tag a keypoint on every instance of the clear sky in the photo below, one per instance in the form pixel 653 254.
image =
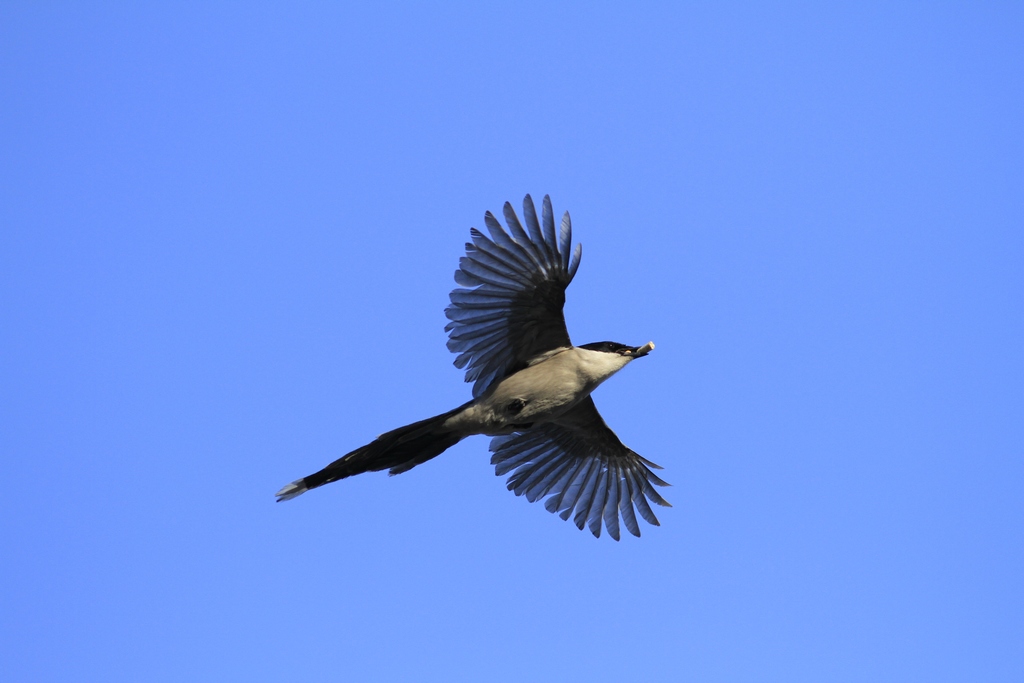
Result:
pixel 227 237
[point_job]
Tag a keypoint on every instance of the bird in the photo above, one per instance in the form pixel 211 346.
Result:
pixel 531 386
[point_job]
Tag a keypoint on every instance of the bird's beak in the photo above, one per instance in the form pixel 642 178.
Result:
pixel 641 351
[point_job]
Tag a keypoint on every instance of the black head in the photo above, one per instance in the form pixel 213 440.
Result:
pixel 620 349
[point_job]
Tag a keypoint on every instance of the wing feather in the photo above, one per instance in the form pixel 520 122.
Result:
pixel 494 264
pixel 473 269
pixel 554 503
pixel 508 309
pixel 558 469
pixel 596 511
pixel 583 468
pixel 577 492
pixel 515 255
pixel 565 240
pixel 611 506
pixel 530 211
pixel 626 504
pixel 525 249
pixel 519 235
pixel 549 224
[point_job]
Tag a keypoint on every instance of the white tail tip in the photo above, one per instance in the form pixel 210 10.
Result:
pixel 296 488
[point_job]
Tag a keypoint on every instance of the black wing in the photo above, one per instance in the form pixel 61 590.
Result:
pixel 512 311
pixel 582 466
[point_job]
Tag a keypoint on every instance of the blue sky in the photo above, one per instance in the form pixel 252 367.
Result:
pixel 228 237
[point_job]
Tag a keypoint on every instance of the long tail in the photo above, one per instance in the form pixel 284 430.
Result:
pixel 398 451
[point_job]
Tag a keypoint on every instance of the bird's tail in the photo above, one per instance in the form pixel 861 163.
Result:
pixel 398 451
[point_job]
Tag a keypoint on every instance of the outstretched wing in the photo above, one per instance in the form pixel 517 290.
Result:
pixel 583 467
pixel 511 310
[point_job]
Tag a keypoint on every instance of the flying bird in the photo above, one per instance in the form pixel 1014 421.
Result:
pixel 531 386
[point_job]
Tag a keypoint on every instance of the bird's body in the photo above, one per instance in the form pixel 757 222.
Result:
pixel 542 392
pixel 531 386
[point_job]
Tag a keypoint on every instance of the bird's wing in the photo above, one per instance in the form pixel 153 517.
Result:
pixel 583 467
pixel 511 309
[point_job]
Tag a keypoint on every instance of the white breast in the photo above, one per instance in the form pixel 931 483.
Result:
pixel 597 366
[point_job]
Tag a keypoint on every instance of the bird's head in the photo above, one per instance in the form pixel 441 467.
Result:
pixel 620 349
